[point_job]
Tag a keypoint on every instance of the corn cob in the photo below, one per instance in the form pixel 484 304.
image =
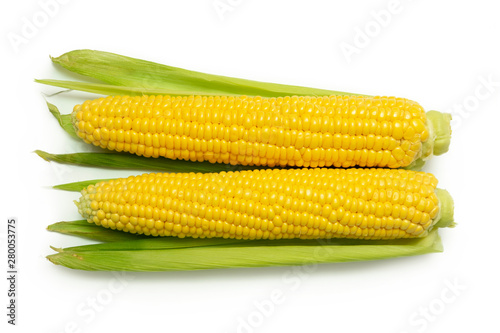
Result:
pixel 272 204
pixel 340 131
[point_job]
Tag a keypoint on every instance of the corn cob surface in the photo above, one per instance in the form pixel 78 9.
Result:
pixel 272 204
pixel 340 131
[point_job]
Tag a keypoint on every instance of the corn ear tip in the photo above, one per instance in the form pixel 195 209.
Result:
pixel 446 219
pixel 441 126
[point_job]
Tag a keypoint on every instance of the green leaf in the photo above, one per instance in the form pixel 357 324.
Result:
pixel 78 186
pixel 82 228
pixel 106 89
pixel 158 243
pixel 118 239
pixel 126 241
pixel 64 120
pixel 156 255
pixel 120 70
pixel 129 161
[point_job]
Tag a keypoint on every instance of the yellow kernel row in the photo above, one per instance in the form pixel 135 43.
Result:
pixel 280 203
pixel 393 108
pixel 342 131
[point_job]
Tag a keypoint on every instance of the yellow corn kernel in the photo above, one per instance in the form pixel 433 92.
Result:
pixel 270 203
pixel 290 131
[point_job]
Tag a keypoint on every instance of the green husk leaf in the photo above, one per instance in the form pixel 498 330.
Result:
pixel 64 120
pixel 106 89
pixel 128 161
pixel 115 160
pixel 130 72
pixel 169 242
pixel 158 243
pixel 84 229
pixel 124 240
pixel 127 241
pixel 78 186
pixel 155 255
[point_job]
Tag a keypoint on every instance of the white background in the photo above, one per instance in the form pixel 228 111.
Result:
pixel 438 53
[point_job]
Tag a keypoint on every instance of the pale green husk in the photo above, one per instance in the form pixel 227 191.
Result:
pixel 63 119
pixel 84 229
pixel 134 162
pixel 78 186
pixel 174 254
pixel 106 89
pixel 126 75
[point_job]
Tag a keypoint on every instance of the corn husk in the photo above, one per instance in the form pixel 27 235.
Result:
pixel 84 229
pixel 133 162
pixel 126 75
pixel 175 254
